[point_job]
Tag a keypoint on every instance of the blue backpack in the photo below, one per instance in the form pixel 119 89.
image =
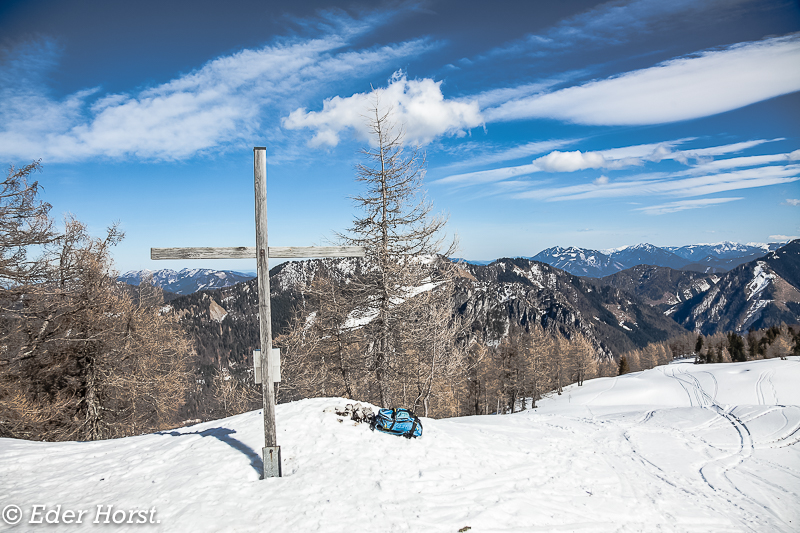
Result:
pixel 397 422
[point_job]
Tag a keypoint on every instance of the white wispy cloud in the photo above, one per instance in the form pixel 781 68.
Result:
pixel 489 176
pixel 519 151
pixel 650 152
pixel 494 97
pixel 418 105
pixel 683 205
pixel 726 149
pixel 666 184
pixel 783 238
pixel 690 87
pixel 793 201
pixel 623 157
pixel 701 85
pixel 746 161
pixel 617 22
pixel 222 102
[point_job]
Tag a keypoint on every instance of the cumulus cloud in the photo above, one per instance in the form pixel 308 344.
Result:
pixel 683 205
pixel 418 105
pixel 602 180
pixel 783 238
pixel 701 85
pixel 222 102
pixel 570 161
pixel 793 201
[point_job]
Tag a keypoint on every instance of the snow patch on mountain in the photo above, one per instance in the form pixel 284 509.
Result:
pixel 761 280
pixel 753 310
pixel 533 275
pixel 706 303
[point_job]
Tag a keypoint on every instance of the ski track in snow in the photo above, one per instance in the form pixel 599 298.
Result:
pixel 680 448
pixel 716 472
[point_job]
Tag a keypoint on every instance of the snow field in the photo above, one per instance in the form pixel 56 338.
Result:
pixel 680 447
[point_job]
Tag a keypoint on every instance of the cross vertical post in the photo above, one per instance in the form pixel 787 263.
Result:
pixel 271 453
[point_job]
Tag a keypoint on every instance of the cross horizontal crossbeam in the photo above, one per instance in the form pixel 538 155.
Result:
pixel 246 252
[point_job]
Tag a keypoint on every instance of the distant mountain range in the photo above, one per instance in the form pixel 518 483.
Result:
pixel 188 280
pixel 522 292
pixel 706 258
pixel 757 287
pixel 626 310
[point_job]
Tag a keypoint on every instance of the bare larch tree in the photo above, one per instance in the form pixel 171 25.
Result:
pixel 399 231
pixel 80 359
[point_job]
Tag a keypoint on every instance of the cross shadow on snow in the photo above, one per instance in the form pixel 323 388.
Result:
pixel 224 435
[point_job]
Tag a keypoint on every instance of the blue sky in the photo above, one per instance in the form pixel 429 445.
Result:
pixel 593 124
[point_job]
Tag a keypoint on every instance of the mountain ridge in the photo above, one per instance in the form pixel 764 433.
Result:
pixel 758 294
pixel 187 280
pixel 706 258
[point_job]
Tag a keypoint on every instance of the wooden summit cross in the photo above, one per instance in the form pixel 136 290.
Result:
pixel 271 452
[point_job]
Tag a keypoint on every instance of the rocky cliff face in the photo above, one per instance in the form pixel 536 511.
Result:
pixel 662 287
pixel 521 291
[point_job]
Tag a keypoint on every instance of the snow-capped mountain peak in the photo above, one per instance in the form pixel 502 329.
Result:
pixel 708 257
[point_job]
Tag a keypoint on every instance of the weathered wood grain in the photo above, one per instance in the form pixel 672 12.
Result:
pixel 264 311
pixel 237 252
pixel 249 252
pixel 288 252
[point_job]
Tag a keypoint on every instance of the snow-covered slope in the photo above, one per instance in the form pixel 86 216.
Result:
pixel 677 448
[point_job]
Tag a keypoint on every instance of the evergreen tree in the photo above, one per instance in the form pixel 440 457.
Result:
pixel 624 368
pixel 736 347
pixel 700 357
